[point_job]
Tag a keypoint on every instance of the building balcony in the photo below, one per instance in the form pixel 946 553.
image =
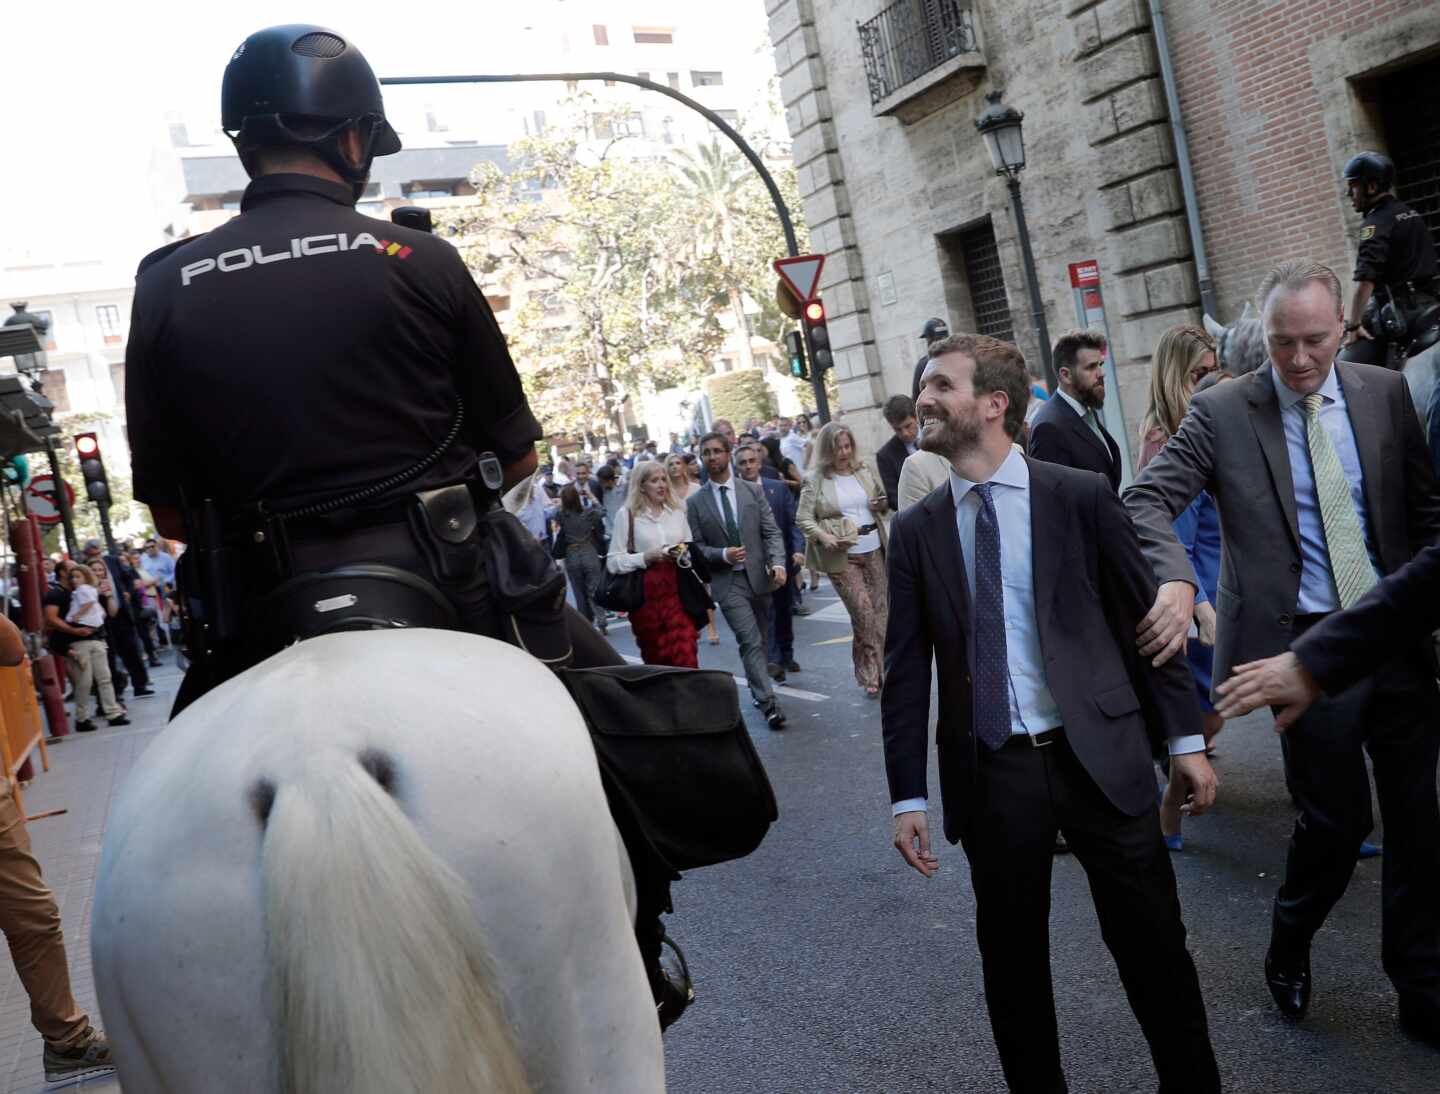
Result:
pixel 920 55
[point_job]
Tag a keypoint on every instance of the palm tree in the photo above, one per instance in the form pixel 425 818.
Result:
pixel 713 180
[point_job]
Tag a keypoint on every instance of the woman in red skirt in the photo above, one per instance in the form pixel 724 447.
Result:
pixel 650 532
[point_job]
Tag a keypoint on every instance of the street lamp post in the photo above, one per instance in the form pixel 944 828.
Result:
pixel 1000 126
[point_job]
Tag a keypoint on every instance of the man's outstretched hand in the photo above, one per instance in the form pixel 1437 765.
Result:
pixel 1161 634
pixel 1279 681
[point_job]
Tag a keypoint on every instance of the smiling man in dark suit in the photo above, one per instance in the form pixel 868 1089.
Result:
pixel 1067 429
pixel 1025 582
pixel 1324 484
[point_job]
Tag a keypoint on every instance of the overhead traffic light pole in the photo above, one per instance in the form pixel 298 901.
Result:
pixel 792 244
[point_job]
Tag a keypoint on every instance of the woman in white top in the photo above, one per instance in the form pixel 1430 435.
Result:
pixel 681 487
pixel 651 530
pixel 844 514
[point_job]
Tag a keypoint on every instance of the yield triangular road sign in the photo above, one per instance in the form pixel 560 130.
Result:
pixel 802 274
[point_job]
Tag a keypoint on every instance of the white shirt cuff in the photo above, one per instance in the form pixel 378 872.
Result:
pixel 1179 746
pixel 916 805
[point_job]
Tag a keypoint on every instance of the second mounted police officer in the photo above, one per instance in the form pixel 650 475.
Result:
pixel 1394 303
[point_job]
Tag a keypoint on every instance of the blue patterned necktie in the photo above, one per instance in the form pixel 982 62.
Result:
pixel 992 662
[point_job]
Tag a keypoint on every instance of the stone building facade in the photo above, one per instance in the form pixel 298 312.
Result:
pixel 901 196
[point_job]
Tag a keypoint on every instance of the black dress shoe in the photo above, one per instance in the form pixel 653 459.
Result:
pixel 1420 1018
pixel 1289 984
pixel 792 665
pixel 774 716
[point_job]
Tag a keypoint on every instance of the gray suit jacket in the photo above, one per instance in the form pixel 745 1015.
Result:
pixel 1232 443
pixel 759 534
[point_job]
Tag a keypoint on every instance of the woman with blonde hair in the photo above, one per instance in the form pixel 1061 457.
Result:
pixel 651 534
pixel 1184 357
pixel 844 515
pixel 681 485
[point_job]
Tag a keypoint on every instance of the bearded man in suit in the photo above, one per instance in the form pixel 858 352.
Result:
pixel 1025 583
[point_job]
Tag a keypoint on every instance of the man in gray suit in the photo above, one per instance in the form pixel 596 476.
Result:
pixel 1324 484
pixel 736 530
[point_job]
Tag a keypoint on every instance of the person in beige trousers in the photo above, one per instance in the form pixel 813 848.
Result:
pixel 844 515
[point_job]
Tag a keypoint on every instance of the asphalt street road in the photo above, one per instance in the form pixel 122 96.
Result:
pixel 823 964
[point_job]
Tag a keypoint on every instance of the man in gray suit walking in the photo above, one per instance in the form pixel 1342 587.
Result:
pixel 736 530
pixel 1324 484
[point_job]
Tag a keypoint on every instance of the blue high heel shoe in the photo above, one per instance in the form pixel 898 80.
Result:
pixel 1177 841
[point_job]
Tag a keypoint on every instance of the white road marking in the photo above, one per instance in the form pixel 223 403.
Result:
pixel 832 613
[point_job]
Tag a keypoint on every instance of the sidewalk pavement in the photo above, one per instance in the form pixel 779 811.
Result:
pixel 86 769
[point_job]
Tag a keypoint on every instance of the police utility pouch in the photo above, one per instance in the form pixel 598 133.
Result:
pixel 445 522
pixel 674 748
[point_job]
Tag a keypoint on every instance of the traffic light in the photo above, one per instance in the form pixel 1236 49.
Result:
pixel 92 469
pixel 818 337
pixel 795 350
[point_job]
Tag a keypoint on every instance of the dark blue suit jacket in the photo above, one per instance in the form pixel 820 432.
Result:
pixel 782 503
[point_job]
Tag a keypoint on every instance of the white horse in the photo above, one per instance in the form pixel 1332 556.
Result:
pixel 378 862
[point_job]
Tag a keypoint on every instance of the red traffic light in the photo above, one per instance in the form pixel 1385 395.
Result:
pixel 87 444
pixel 815 312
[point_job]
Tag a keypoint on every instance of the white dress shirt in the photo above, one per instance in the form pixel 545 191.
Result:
pixel 729 486
pixel 1033 709
pixel 1317 583
pixel 651 531
pixel 1087 415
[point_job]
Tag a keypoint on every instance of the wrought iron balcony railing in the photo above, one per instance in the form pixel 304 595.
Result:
pixel 910 38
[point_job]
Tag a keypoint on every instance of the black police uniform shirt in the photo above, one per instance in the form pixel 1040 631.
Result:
pixel 1395 246
pixel 303 350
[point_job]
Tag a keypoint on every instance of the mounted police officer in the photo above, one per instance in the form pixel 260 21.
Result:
pixel 1394 303
pixel 323 408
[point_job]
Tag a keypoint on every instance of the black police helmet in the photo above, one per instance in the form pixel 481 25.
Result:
pixel 285 83
pixel 933 329
pixel 1367 167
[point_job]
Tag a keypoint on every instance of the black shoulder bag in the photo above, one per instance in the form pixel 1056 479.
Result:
pixel 622 592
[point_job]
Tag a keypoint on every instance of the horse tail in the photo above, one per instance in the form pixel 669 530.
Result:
pixel 375 959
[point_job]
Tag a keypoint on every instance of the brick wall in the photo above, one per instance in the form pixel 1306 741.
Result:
pixel 1271 112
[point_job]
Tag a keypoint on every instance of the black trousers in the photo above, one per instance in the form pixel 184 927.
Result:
pixel 1395 716
pixel 781 642
pixel 1021 796
pixel 123 643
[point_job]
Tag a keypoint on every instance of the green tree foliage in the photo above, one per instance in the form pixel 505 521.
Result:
pixel 630 262
pixel 740 396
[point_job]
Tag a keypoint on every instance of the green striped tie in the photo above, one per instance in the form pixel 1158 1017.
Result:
pixel 1349 560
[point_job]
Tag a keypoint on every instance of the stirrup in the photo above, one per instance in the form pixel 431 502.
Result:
pixel 673 988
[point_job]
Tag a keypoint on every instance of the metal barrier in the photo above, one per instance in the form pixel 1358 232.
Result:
pixel 911 37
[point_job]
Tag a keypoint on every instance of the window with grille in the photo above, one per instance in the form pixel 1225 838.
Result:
pixel 673 79
pixel 986 278
pixel 109 317
pixel 706 79
pixel 1413 137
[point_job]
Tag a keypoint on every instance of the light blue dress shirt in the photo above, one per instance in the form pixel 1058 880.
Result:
pixel 1033 708
pixel 1317 584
